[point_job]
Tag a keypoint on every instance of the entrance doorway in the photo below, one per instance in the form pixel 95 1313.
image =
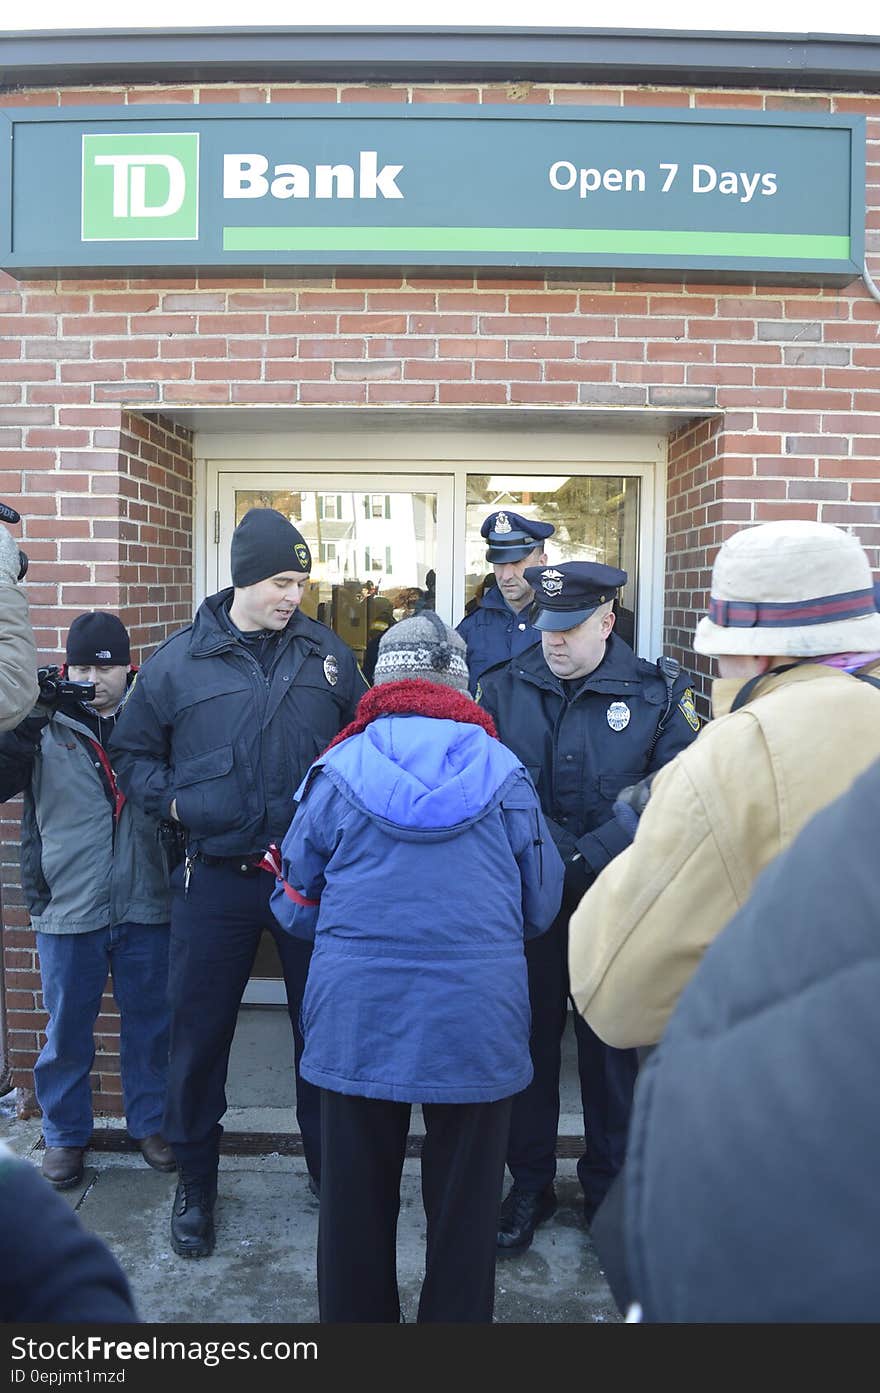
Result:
pixel 387 541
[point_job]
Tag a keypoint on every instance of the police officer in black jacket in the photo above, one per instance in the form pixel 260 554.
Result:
pixel 587 718
pixel 499 626
pixel 219 730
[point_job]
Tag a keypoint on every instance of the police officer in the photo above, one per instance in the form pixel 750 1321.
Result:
pixel 499 626
pixel 221 726
pixel 587 718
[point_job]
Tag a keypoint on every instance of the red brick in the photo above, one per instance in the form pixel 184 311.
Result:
pixel 332 348
pixel 455 95
pixel 447 324
pixel 437 371
pixel 655 97
pixel 233 95
pixel 337 393
pixel 302 94
pixel 383 393
pixel 379 93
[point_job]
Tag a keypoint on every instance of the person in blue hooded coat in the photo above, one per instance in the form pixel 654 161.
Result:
pixel 418 860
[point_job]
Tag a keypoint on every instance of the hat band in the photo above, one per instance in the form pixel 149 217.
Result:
pixel 514 542
pixel 798 614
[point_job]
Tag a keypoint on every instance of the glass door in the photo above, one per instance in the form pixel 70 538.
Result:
pixel 381 550
pixel 595 517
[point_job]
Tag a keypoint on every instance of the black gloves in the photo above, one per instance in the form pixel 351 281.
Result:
pixel 32 727
pixel 631 803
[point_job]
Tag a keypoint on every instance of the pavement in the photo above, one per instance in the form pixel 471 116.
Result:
pixel 263 1267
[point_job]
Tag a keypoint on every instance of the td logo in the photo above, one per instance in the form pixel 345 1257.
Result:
pixel 142 187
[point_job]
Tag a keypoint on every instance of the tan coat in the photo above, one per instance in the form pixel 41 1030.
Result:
pixel 718 813
pixel 18 658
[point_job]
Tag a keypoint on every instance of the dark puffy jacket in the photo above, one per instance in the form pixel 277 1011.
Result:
pixel 425 844
pixel 750 1190
pixel 206 727
pixel 493 633
pixel 582 752
pixel 53 1269
pixel 82 868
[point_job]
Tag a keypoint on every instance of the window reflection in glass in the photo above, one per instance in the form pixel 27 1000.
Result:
pixel 596 519
pixel 374 557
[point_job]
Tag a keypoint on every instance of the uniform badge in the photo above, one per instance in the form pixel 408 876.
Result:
pixel 618 715
pixel 688 709
pixel 551 582
pixel 502 523
pixel 331 669
pixel 302 555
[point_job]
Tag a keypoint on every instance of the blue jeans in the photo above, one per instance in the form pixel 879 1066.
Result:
pixel 74 970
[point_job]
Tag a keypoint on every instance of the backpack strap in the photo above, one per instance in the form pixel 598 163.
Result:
pixel 866 677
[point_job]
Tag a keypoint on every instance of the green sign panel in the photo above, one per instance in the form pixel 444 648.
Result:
pixel 554 189
pixel 142 188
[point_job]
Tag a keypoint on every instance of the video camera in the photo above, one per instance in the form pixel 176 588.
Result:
pixel 9 515
pixel 54 688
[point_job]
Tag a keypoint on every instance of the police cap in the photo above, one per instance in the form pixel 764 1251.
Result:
pixel 512 537
pixel 567 594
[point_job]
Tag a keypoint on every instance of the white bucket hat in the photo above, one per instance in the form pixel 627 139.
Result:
pixel 796 589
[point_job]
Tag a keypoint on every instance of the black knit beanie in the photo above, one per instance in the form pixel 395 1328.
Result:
pixel 98 639
pixel 265 544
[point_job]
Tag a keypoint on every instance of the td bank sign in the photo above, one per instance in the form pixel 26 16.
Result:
pixel 146 187
pixel 430 186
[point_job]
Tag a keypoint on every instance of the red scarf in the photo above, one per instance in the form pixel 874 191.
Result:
pixel 415 697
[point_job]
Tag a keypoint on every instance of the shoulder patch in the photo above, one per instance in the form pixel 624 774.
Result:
pixel 688 709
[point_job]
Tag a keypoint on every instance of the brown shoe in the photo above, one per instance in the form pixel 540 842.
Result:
pixel 157 1153
pixel 63 1165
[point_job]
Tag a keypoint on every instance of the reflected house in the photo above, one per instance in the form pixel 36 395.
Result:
pixel 596 519
pixel 364 546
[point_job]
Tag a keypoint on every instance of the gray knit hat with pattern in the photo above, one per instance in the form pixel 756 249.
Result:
pixel 422 647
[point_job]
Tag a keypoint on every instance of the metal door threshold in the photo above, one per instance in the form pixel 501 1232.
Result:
pixel 280 1143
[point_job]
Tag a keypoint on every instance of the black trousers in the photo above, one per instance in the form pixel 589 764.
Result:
pixel 363 1144
pixel 215 931
pixel 607 1078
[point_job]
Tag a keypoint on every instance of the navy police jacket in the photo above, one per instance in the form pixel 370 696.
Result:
pixel 204 725
pixel 493 633
pixel 583 749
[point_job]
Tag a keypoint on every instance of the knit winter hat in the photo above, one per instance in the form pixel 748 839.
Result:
pixel 98 639
pixel 264 544
pixel 422 647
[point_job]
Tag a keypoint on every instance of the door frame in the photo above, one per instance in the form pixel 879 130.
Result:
pixel 423 456
pixel 441 460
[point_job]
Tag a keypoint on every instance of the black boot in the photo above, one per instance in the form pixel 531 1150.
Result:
pixel 192 1217
pixel 521 1213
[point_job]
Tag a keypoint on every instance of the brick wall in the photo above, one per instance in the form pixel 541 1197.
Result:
pixel 107 497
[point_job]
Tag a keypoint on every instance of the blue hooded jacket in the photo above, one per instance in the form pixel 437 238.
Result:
pixel 424 843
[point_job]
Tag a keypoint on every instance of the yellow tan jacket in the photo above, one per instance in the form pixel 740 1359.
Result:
pixel 718 814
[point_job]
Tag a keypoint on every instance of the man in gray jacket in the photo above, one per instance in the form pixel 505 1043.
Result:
pixel 95 881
